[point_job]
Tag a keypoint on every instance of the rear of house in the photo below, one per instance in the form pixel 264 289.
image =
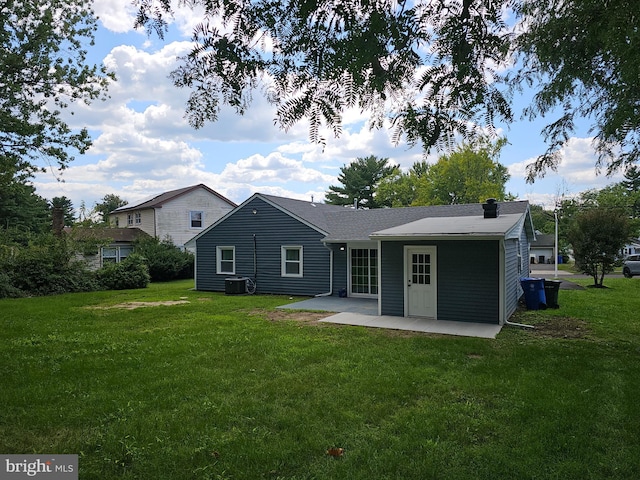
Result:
pixel 444 262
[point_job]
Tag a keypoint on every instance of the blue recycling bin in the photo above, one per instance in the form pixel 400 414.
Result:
pixel 534 295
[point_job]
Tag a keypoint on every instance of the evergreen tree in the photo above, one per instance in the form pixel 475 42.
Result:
pixel 359 180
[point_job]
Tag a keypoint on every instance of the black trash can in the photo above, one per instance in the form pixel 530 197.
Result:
pixel 551 288
pixel 534 294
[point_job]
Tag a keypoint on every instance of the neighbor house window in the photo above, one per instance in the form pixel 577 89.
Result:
pixel 226 260
pixel 196 219
pixel 129 219
pixel 115 254
pixel 138 216
pixel 292 261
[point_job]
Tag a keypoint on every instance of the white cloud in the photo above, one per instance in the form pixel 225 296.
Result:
pixel 576 170
pixel 274 167
pixel 116 15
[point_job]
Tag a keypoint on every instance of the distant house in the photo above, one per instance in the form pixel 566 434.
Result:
pixel 177 214
pixel 542 248
pixel 632 247
pixel 105 245
pixel 456 262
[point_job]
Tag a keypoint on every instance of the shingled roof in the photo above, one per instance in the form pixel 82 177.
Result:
pixel 158 200
pixel 342 224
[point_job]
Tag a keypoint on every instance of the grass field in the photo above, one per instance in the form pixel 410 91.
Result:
pixel 220 387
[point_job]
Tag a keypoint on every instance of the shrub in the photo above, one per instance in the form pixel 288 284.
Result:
pixel 132 272
pixel 45 265
pixel 165 260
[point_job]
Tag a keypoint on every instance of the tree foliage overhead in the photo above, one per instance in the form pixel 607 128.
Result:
pixel 360 180
pixel 429 65
pixel 434 68
pixel 43 70
pixel 584 58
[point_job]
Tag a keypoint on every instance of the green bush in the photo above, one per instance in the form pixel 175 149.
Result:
pixel 165 260
pixel 132 272
pixel 45 265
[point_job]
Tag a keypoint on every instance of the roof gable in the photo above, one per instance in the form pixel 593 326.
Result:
pixel 158 200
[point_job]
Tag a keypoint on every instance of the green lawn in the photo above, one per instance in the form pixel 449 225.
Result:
pixel 217 389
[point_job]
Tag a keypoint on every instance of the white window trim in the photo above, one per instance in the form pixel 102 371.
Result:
pixel 138 218
pixel 219 250
pixel 283 261
pixel 191 212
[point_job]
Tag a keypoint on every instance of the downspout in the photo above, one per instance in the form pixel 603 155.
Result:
pixel 155 223
pixel 330 292
pixel 514 324
pixel 252 283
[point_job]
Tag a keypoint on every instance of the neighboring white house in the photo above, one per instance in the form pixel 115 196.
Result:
pixel 632 247
pixel 541 249
pixel 178 214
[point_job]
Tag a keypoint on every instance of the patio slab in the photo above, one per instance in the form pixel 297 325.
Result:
pixel 424 325
pixel 364 312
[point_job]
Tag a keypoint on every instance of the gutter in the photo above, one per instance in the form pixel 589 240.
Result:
pixel 330 292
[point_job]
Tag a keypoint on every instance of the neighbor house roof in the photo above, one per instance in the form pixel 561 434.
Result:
pixel 158 200
pixel 115 235
pixel 543 240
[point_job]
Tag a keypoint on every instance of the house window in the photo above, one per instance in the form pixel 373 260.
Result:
pixel 115 254
pixel 226 260
pixel 196 219
pixel 364 271
pixel 138 217
pixel 129 219
pixel 291 261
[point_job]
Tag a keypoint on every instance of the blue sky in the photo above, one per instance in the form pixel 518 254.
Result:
pixel 143 145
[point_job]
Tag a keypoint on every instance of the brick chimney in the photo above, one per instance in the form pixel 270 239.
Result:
pixel 58 220
pixel 491 208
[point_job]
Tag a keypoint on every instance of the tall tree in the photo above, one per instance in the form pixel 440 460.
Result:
pixel 401 189
pixel 359 180
pixel 597 237
pixel 470 174
pixel 42 70
pixel 108 204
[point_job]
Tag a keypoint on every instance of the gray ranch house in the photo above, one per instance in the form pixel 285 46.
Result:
pixel 453 262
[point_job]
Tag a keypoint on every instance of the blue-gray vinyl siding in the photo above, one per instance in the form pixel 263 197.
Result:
pixel 271 229
pixel 468 279
pixel 516 268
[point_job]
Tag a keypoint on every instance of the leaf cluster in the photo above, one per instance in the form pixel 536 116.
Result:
pixel 583 57
pixel 359 182
pixel 43 70
pixel 597 237
pixel 429 67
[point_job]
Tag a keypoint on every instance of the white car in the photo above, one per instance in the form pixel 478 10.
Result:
pixel 631 266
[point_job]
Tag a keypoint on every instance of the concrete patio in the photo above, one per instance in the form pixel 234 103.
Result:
pixel 364 312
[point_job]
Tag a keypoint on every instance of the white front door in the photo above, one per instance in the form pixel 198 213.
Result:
pixel 420 277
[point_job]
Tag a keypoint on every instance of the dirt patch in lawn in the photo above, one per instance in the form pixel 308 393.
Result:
pixel 562 327
pixel 133 305
pixel 303 317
